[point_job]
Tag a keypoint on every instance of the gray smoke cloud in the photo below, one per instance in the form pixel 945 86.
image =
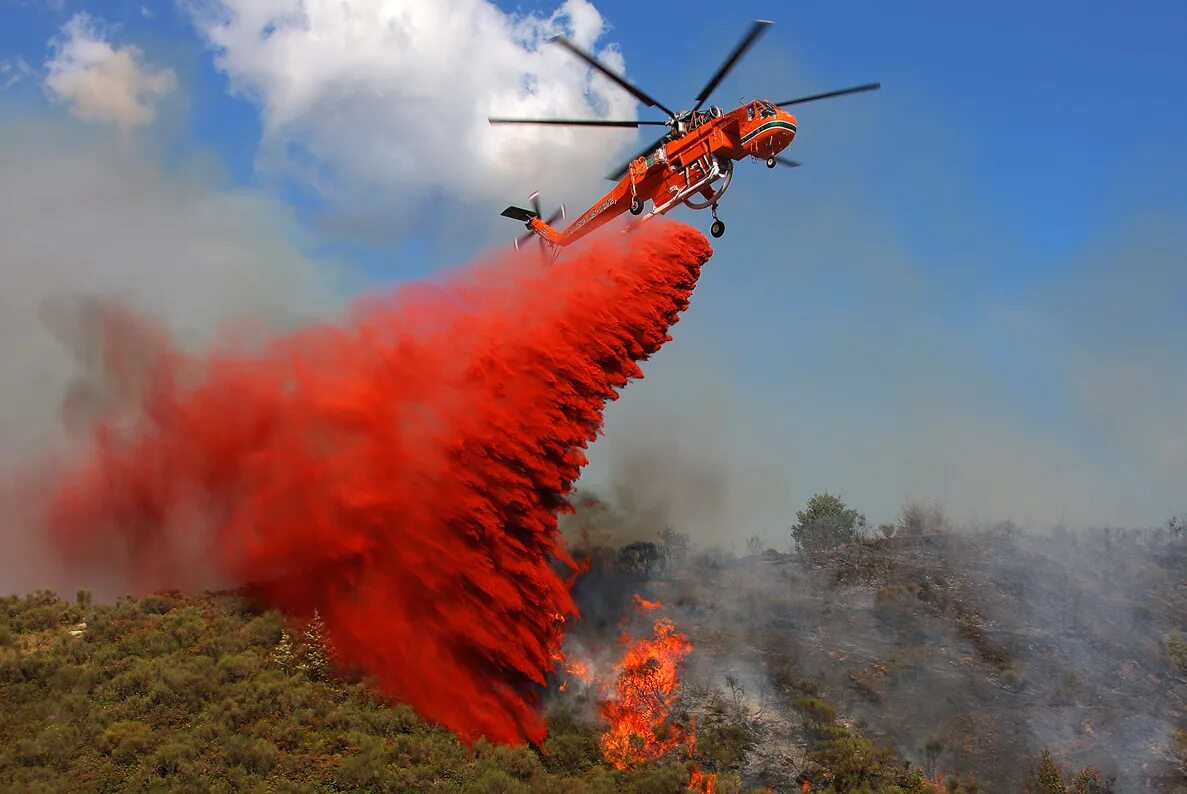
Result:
pixel 826 349
pixel 88 220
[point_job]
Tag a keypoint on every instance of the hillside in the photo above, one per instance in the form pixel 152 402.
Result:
pixel 969 652
pixel 210 693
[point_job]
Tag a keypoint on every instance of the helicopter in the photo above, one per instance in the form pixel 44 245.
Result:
pixel 692 164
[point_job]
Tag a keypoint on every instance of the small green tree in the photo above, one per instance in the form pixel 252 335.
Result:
pixel 826 523
pixel 283 654
pixel 316 651
pixel 931 753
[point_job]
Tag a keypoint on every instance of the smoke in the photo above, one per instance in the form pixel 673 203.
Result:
pixel 400 472
pixel 87 222
pixel 991 643
pixel 884 375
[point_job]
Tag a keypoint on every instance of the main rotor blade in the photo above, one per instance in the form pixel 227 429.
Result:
pixel 617 175
pixel 842 92
pixel 755 31
pixel 646 99
pixel 581 122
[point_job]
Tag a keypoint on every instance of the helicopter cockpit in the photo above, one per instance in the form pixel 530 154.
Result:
pixel 760 108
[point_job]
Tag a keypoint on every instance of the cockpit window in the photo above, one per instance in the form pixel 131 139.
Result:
pixel 750 113
pixel 766 109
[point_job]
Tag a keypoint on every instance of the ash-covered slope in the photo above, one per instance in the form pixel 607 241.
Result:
pixel 967 652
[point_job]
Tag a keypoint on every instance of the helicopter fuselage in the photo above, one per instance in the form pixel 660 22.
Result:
pixel 688 164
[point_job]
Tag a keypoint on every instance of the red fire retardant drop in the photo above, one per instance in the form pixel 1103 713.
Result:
pixel 400 472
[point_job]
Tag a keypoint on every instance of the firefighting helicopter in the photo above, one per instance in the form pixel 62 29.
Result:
pixel 692 164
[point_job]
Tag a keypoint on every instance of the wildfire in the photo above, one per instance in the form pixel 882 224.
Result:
pixel 639 708
pixel 643 603
pixel 644 694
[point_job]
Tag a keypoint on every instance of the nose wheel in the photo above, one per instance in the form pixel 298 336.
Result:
pixel 636 206
pixel 718 227
pixel 771 163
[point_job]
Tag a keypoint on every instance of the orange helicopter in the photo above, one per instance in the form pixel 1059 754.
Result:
pixel 686 165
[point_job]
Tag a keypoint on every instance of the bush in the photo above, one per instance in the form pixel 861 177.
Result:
pixel 571 753
pixel 157 604
pixel 917 518
pixel 254 755
pixel 1046 776
pixel 126 740
pixel 1176 649
pixel 857 764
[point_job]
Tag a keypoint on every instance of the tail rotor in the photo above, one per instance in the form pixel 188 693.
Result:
pixel 536 212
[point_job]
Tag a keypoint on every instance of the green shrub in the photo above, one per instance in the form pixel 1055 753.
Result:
pixel 254 755
pixel 570 753
pixel 157 604
pixel 126 740
pixel 1176 649
pixel 859 765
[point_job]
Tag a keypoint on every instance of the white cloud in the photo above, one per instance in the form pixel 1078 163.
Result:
pixel 12 72
pixel 383 103
pixel 102 83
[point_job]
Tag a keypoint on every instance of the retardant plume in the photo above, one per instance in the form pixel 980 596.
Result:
pixel 401 472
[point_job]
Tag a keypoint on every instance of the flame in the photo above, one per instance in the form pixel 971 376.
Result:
pixel 643 603
pixel 644 693
pixel 700 781
pixel 639 709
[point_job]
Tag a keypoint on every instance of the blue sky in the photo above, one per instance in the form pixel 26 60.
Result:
pixel 1063 114
pixel 969 209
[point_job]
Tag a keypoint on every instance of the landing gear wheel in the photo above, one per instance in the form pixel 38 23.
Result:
pixel 717 229
pixel 636 206
pixel 770 162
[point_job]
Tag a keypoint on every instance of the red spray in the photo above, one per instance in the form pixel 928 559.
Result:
pixel 401 472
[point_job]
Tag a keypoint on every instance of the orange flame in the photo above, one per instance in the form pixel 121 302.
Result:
pixel 702 782
pixel 643 603
pixel 644 694
pixel 645 691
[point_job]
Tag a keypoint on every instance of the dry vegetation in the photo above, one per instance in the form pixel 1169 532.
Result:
pixel 212 693
pixel 910 659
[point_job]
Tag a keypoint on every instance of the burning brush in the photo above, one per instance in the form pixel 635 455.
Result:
pixel 637 699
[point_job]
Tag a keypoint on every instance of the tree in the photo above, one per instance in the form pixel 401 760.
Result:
pixel 754 545
pixel 826 523
pixel 639 557
pixel 931 753
pixel 316 651
pixel 675 548
pixel 917 518
pixel 283 655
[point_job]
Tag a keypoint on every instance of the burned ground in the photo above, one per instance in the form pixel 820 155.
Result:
pixel 965 652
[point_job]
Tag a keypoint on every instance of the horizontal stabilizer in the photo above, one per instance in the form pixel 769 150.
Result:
pixel 519 214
